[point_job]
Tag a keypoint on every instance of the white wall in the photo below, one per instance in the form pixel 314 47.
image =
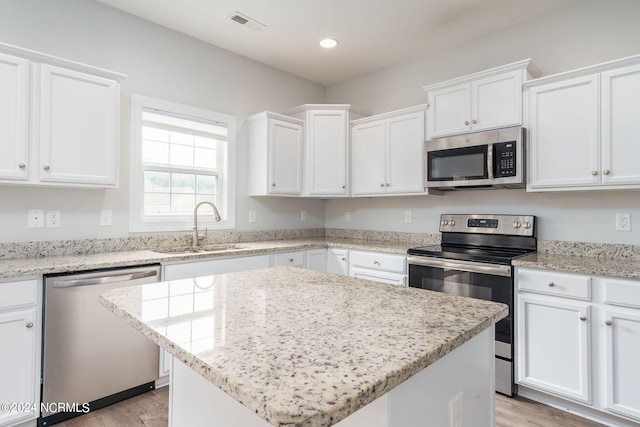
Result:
pixel 584 33
pixel 159 63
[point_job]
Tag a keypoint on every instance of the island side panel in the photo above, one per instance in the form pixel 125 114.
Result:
pixel 422 400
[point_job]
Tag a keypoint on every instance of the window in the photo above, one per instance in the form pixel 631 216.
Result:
pixel 180 156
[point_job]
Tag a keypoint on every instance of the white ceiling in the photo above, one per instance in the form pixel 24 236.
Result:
pixel 372 34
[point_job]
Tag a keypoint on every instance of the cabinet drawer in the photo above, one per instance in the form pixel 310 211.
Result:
pixel 23 292
pixel 289 258
pixel 378 261
pixel 622 292
pixel 555 283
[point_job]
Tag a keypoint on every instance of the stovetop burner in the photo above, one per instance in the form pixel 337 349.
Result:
pixel 462 253
pixel 495 239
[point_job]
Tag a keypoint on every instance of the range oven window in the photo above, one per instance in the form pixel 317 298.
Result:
pixel 469 284
pixel 458 164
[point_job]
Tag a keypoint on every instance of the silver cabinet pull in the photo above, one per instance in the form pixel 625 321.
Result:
pixel 387 184
pixel 594 173
pixel 273 185
pixel 466 122
pixel 290 259
pixel 583 318
pixel 382 184
pixel 551 284
pixel 608 323
pixel 22 165
pixel 46 167
pixel 606 171
pixel 376 263
pixel 474 121
pixel 343 258
pixel 29 325
pixel 344 186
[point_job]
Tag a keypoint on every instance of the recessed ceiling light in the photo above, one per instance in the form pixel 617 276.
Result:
pixel 328 43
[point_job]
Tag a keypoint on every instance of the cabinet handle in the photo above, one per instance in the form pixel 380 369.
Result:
pixel 382 184
pixel 273 185
pixel 474 121
pixel 344 186
pixel 594 173
pixel 29 325
pixel 466 122
pixel 344 259
pixel 387 184
pixel 608 323
pixel 290 259
pixel 46 167
pixel 376 263
pixel 22 165
pixel 583 318
pixel 551 284
pixel 606 171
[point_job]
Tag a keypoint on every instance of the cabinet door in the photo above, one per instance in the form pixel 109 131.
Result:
pixel 285 157
pixel 564 134
pixel 316 259
pixel 18 362
pixel 553 346
pixel 14 76
pixel 79 127
pixel 338 261
pixel 449 111
pixel 327 152
pixel 368 151
pixel 622 336
pixel 620 130
pixel 405 146
pixel 496 101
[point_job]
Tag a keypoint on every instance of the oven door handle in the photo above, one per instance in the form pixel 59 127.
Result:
pixel 473 267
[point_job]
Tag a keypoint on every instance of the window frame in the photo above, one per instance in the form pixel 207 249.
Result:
pixel 138 222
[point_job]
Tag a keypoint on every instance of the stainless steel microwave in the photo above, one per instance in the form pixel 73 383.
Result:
pixel 490 159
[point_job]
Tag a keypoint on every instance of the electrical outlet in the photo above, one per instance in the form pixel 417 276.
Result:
pixel 623 222
pixel 106 217
pixel 53 218
pixel 252 216
pixel 303 215
pixel 35 218
pixel 407 217
pixel 347 216
pixel 456 411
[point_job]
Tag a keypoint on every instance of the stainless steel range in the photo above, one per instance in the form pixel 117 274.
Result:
pixel 474 260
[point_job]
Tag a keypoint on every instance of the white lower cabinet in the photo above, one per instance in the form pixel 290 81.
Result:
pixel 20 328
pixel 554 346
pixel 316 260
pixel 578 338
pixel 338 261
pixel 374 266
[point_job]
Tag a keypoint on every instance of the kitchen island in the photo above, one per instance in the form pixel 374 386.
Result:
pixel 292 347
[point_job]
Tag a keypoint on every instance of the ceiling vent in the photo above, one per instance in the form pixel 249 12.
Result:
pixel 247 22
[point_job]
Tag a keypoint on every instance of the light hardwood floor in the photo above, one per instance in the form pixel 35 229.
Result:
pixel 150 409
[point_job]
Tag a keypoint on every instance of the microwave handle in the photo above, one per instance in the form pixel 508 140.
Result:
pixel 490 160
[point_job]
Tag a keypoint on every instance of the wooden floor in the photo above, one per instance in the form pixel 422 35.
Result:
pixel 150 409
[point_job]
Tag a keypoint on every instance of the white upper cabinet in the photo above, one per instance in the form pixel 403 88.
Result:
pixel 59 121
pixel 14 79
pixel 486 100
pixel 275 155
pixel 79 127
pixel 387 153
pixel 582 128
pixel 327 147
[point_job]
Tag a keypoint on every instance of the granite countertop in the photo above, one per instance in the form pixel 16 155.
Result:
pixel 299 347
pixel 31 266
pixel 626 268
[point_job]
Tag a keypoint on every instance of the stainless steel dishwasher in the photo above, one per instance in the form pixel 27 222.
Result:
pixel 89 354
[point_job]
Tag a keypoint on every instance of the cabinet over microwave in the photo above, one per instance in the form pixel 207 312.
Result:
pixel 490 159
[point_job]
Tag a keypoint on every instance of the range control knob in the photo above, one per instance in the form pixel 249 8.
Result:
pixel 452 222
pixel 516 224
pixel 527 225
pixel 445 222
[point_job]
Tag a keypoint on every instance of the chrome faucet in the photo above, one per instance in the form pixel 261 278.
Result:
pixel 196 238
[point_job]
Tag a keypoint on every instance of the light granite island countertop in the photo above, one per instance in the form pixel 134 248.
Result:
pixel 303 348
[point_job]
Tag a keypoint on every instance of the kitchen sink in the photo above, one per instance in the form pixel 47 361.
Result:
pixel 198 250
